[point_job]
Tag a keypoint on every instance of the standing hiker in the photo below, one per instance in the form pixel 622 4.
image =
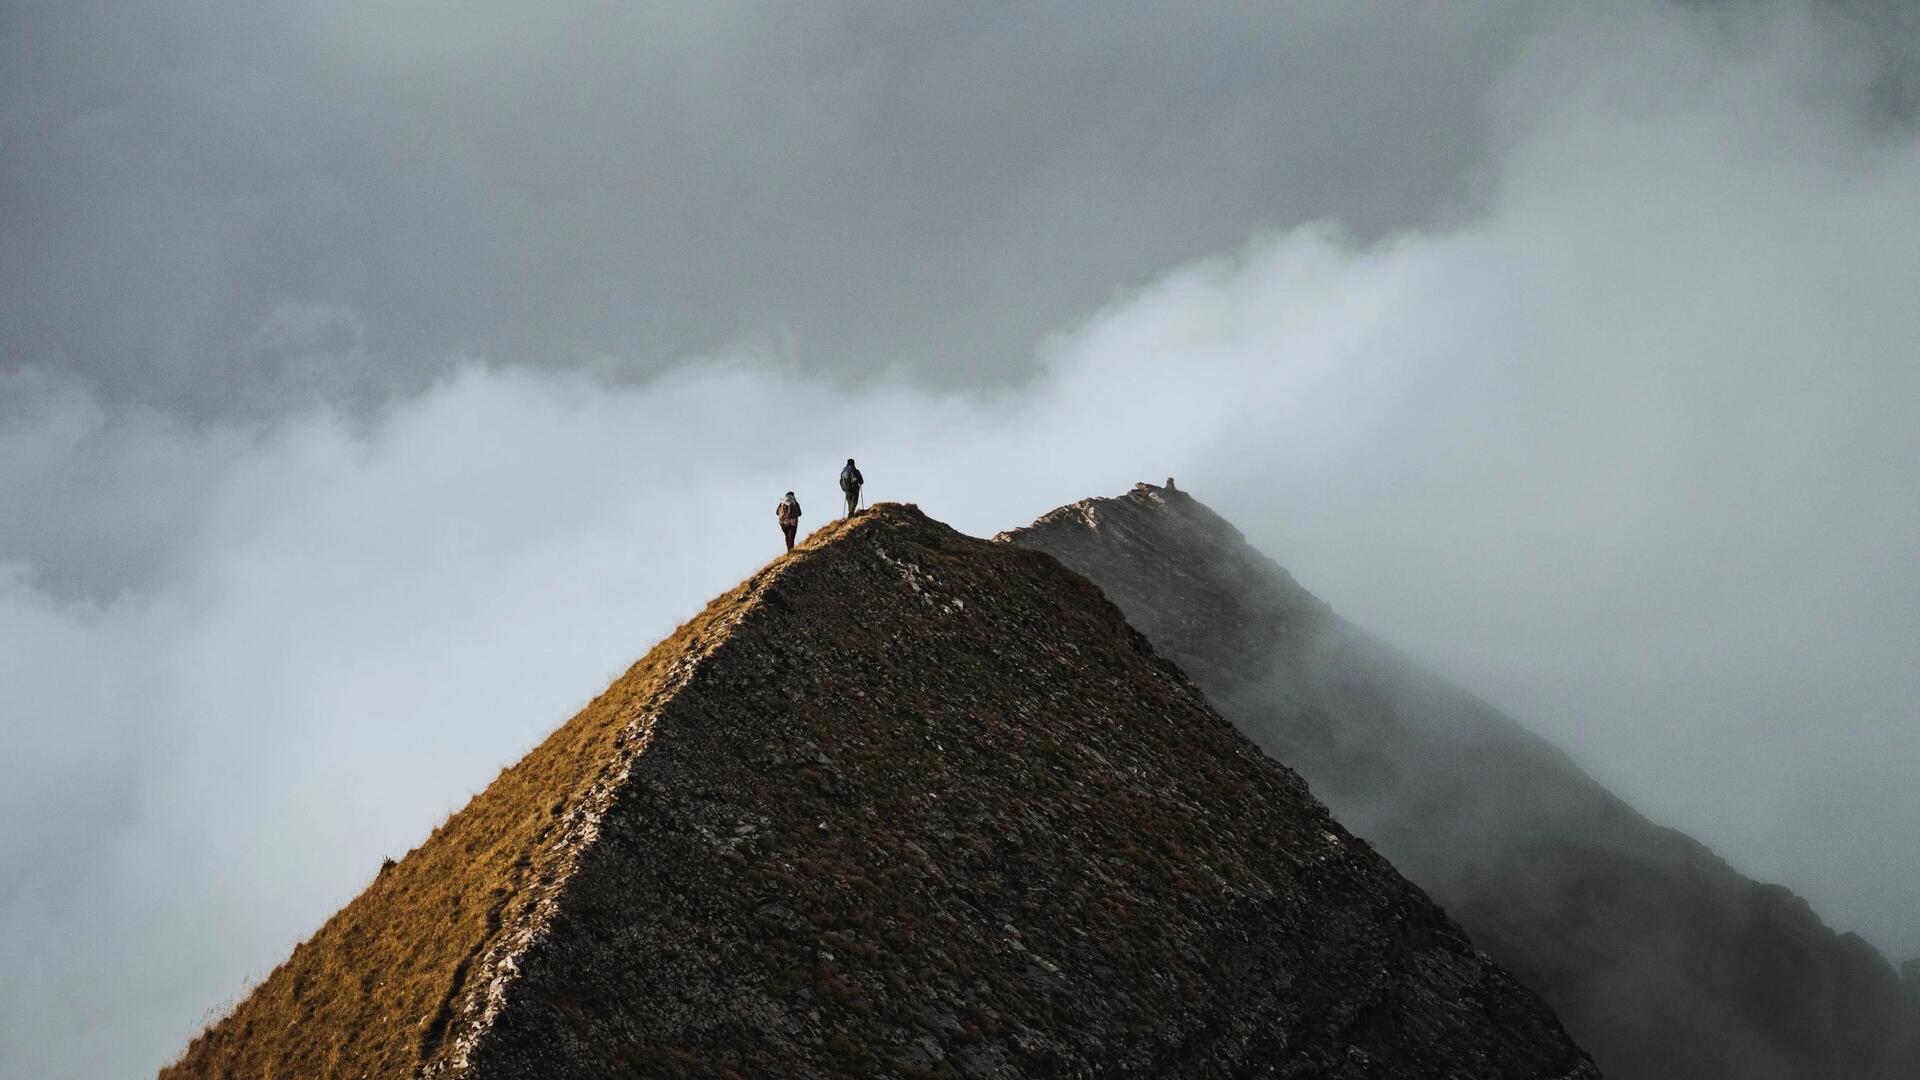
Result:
pixel 789 514
pixel 850 481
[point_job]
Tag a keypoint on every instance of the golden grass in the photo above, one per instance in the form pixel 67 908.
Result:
pixel 378 990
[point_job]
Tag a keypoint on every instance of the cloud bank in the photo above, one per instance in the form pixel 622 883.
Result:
pixel 1628 449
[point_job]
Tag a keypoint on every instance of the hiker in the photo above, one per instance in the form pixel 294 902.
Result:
pixel 850 481
pixel 789 514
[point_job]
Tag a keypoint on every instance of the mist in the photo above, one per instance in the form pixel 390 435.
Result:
pixel 1577 363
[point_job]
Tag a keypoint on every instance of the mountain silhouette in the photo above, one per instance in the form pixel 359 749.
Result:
pixel 1661 959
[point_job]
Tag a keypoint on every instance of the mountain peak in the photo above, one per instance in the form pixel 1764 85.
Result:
pixel 1143 499
pixel 904 803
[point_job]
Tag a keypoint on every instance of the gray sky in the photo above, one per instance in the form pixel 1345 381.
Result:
pixel 374 387
pixel 332 199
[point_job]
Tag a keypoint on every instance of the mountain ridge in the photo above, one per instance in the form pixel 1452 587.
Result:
pixel 1660 957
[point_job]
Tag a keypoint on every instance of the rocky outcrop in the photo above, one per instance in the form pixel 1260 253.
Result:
pixel 1661 959
pixel 904 804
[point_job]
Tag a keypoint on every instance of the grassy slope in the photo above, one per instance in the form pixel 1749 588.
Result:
pixel 375 991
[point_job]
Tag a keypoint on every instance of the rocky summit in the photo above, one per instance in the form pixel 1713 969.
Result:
pixel 903 804
pixel 1661 959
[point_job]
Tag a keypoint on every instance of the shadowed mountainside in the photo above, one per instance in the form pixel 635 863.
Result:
pixel 905 803
pixel 1661 959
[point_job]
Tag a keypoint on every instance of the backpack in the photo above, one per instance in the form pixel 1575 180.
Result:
pixel 850 478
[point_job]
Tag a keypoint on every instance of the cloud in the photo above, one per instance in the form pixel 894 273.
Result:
pixel 1628 450
pixel 923 189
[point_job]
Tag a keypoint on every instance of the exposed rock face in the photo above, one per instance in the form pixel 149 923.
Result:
pixel 905 803
pixel 1661 959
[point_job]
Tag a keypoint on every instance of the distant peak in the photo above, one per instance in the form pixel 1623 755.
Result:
pixel 1166 495
pixel 1163 554
pixel 1147 505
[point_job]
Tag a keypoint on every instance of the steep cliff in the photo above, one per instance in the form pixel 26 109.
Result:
pixel 1661 959
pixel 905 803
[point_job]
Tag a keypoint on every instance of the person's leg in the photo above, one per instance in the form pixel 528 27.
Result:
pixel 789 530
pixel 853 495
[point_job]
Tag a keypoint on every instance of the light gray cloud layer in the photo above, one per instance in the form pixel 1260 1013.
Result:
pixel 1624 439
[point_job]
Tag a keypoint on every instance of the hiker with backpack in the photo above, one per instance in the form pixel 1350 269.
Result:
pixel 850 481
pixel 789 514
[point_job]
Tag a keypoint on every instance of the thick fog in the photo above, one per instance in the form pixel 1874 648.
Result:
pixel 375 386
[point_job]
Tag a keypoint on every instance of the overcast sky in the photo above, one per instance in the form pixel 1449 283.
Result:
pixel 378 381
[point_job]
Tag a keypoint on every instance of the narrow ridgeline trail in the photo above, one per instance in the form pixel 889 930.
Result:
pixel 903 804
pixel 1663 961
